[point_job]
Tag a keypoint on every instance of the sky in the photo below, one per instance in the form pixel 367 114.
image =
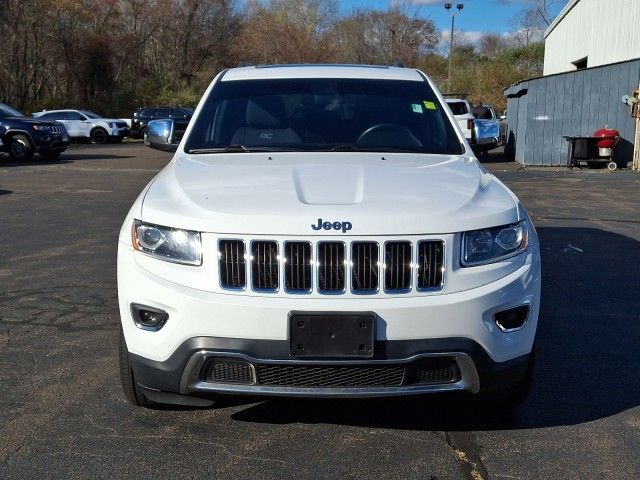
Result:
pixel 478 16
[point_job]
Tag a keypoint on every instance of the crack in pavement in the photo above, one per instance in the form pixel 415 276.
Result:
pixel 466 451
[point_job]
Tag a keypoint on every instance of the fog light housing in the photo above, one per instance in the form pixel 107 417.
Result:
pixel 512 319
pixel 148 318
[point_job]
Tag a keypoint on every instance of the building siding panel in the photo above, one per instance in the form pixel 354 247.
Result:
pixel 573 103
pixel 605 31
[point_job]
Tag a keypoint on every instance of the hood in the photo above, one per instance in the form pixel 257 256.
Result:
pixel 290 193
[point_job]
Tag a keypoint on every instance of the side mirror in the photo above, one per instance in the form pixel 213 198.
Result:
pixel 160 135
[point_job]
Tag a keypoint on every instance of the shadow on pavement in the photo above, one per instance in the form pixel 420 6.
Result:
pixel 64 158
pixel 493 156
pixel 587 358
pixel 5 192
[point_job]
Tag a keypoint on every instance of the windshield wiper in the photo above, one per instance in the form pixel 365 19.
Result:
pixel 235 148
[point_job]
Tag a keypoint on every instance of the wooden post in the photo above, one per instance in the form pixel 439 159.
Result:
pixel 636 146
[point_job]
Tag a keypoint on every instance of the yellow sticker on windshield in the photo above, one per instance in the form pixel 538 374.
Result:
pixel 429 105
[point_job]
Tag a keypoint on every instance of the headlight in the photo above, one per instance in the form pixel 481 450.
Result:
pixel 170 244
pixel 493 244
pixel 40 128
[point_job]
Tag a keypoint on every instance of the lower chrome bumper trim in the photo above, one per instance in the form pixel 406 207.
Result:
pixel 191 383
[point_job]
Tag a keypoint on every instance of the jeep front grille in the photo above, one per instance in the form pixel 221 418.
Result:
pixel 397 266
pixel 232 263
pixel 363 267
pixel 430 265
pixel 331 266
pixel 56 129
pixel 297 266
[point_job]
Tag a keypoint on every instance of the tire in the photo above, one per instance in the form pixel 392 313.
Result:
pixel 143 134
pixel 50 155
pixel 516 395
pixel 128 380
pixel 99 135
pixel 20 149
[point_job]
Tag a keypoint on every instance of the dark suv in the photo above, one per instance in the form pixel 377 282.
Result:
pixel 143 115
pixel 22 136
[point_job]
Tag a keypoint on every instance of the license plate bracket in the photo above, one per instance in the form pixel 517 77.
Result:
pixel 331 335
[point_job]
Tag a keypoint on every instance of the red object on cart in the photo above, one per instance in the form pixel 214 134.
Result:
pixel 612 137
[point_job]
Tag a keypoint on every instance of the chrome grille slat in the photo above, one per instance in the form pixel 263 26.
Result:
pixel 298 273
pixel 430 263
pixel 232 264
pixel 364 273
pixel 331 277
pixel 264 265
pixel 397 266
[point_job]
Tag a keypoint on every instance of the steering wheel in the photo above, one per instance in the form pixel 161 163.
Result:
pixel 403 132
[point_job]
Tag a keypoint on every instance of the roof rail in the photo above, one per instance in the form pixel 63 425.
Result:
pixel 245 64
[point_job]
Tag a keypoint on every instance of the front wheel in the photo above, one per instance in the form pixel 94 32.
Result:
pixel 99 135
pixel 514 396
pixel 128 380
pixel 20 149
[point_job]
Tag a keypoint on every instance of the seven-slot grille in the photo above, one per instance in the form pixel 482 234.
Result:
pixel 56 129
pixel 395 266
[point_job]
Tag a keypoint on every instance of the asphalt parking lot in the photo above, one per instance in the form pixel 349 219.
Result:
pixel 62 414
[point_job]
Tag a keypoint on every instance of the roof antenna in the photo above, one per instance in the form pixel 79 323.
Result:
pixel 398 64
pixel 245 64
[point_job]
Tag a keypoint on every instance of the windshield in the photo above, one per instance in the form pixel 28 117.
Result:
pixel 458 108
pixel 88 114
pixel 323 114
pixel 7 111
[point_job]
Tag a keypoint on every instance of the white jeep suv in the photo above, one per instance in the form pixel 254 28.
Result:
pixel 324 230
pixel 88 125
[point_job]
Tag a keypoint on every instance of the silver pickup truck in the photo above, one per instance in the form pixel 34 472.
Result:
pixel 483 134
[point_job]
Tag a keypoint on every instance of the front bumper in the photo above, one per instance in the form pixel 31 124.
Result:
pixel 183 373
pixel 254 329
pixel 51 142
pixel 119 132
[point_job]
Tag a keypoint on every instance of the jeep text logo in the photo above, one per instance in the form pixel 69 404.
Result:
pixel 344 226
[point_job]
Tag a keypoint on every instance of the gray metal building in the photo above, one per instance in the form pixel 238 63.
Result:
pixel 541 110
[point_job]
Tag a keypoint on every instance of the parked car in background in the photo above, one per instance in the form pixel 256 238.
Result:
pixel 486 130
pixel 482 131
pixel 463 112
pixel 21 136
pixel 143 115
pixel 503 128
pixel 83 124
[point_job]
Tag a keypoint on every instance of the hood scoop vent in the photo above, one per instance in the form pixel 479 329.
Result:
pixel 325 185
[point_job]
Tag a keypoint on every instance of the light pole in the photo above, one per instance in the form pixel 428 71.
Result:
pixel 448 6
